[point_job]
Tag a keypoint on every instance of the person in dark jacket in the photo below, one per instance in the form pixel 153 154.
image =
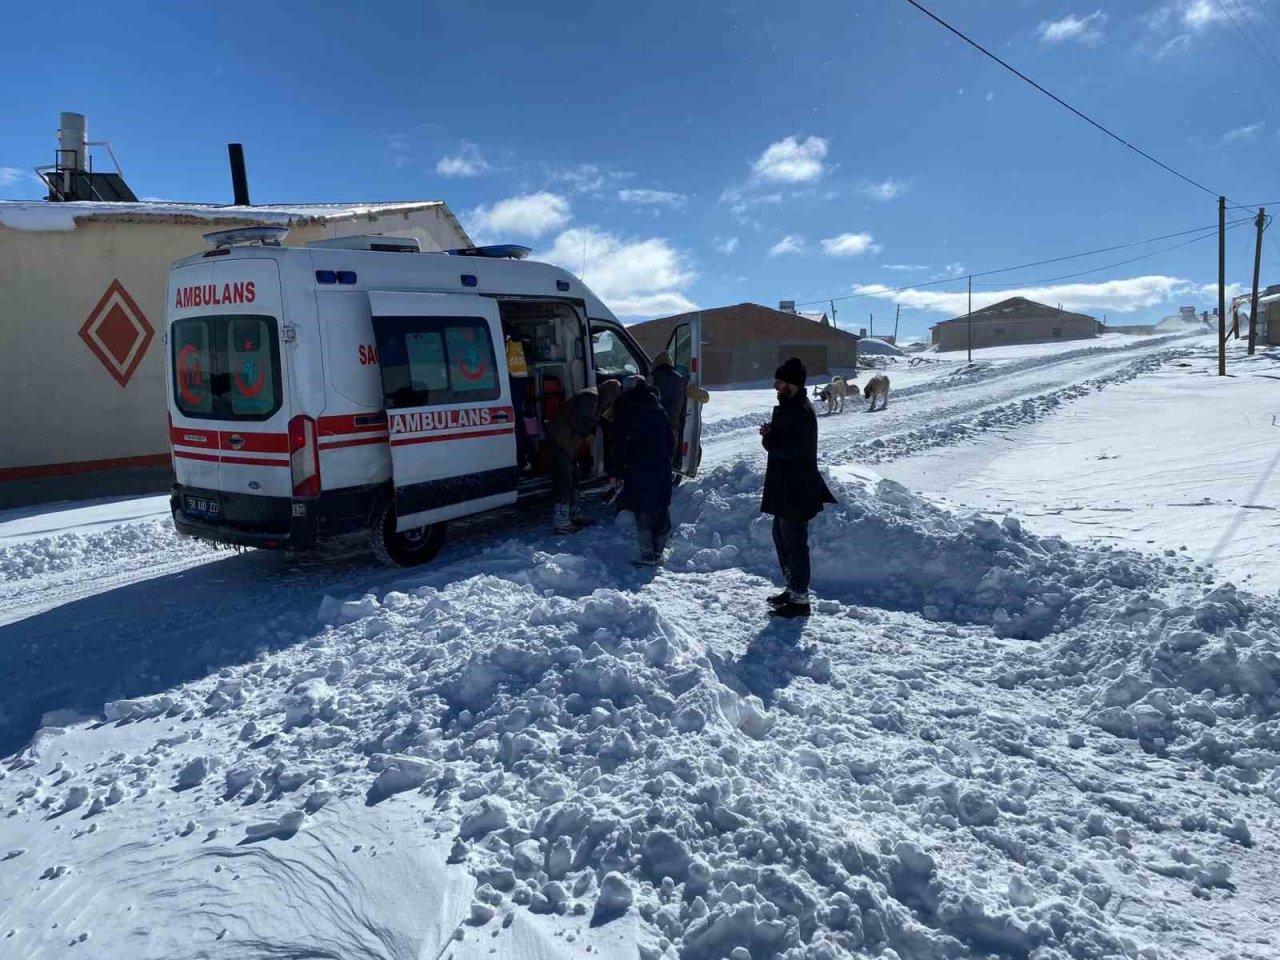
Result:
pixel 794 491
pixel 675 392
pixel 642 463
pixel 576 425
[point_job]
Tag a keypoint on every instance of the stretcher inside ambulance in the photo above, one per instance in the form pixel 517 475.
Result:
pixel 357 385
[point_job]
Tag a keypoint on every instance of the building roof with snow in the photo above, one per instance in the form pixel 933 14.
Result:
pixel 1015 309
pixel 44 215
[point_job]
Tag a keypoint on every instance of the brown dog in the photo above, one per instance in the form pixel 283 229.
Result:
pixel 877 388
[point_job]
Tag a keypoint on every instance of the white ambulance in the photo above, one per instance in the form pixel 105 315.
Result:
pixel 360 385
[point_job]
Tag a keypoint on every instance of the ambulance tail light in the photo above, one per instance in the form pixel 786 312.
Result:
pixel 304 457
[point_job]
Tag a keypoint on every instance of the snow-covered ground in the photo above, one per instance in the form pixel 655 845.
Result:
pixel 997 737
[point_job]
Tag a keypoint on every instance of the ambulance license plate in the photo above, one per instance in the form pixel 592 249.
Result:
pixel 200 507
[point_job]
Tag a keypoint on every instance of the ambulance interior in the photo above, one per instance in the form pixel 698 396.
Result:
pixel 551 334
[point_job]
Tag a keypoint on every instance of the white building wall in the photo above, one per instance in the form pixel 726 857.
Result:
pixel 63 410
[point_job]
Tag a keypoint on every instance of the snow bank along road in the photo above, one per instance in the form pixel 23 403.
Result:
pixel 988 743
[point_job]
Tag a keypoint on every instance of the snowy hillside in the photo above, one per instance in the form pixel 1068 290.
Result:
pixel 1015 726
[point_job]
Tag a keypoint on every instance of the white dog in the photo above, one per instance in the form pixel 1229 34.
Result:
pixel 877 388
pixel 833 394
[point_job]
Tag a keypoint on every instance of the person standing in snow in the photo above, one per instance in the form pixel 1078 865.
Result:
pixel 794 491
pixel 674 391
pixel 576 425
pixel 642 445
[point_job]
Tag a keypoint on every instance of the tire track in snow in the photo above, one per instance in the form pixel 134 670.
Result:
pixel 970 375
pixel 1015 413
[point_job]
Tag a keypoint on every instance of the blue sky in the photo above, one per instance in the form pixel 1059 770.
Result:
pixel 701 154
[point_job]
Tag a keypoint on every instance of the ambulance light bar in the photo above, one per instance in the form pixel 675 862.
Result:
pixel 497 251
pixel 238 236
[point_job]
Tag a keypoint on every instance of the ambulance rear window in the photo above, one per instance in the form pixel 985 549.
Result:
pixel 428 361
pixel 226 367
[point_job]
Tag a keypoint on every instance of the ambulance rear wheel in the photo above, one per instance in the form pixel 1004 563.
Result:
pixel 406 548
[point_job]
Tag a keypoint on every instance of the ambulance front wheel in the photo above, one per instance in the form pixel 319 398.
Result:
pixel 406 548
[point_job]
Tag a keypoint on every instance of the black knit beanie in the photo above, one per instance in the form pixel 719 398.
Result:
pixel 791 372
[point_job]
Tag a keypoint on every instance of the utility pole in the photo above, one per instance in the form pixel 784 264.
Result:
pixel 1260 223
pixel 896 314
pixel 873 325
pixel 833 315
pixel 970 315
pixel 1222 286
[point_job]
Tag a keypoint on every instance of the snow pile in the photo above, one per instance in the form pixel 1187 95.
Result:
pixel 67 551
pixel 583 741
pixel 886 547
pixel 871 346
pixel 1200 679
pixel 589 762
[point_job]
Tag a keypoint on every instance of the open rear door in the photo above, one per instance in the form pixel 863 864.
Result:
pixel 685 349
pixel 448 400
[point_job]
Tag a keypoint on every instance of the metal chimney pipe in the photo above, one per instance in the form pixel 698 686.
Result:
pixel 239 179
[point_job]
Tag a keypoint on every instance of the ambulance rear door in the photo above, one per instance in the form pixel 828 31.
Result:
pixel 685 349
pixel 229 384
pixel 448 401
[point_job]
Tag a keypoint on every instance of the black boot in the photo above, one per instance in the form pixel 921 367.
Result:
pixel 790 609
pixel 778 599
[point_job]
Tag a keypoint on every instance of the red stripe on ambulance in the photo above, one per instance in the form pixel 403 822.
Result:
pixel 441 437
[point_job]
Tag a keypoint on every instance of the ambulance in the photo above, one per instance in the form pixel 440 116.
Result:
pixel 360 386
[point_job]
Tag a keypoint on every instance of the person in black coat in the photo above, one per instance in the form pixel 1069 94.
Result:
pixel 641 460
pixel 794 491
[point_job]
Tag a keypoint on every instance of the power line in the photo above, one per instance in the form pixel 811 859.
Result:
pixel 1212 232
pixel 1057 99
pixel 1240 30
pixel 1023 266
pixel 1258 36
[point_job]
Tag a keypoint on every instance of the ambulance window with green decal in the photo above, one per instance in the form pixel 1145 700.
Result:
pixel 427 361
pixel 192 368
pixel 428 369
pixel 226 367
pixel 471 367
pixel 252 376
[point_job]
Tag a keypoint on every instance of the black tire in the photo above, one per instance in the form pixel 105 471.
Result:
pixel 411 548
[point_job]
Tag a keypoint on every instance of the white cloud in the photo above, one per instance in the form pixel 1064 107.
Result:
pixel 1247 132
pixel 530 215
pixel 741 201
pixel 588 178
pixel 1113 296
pixel 1173 27
pixel 952 270
pixel 792 161
pixel 886 189
pixel 1086 30
pixel 467 162
pixel 788 244
pixel 635 278
pixel 11 175
pixel 903 266
pixel 1200 13
pixel 653 198
pixel 850 245
pixel 726 245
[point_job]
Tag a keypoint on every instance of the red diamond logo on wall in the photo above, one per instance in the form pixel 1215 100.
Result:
pixel 118 333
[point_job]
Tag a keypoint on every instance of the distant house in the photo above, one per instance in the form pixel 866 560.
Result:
pixel 1016 320
pixel 748 341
